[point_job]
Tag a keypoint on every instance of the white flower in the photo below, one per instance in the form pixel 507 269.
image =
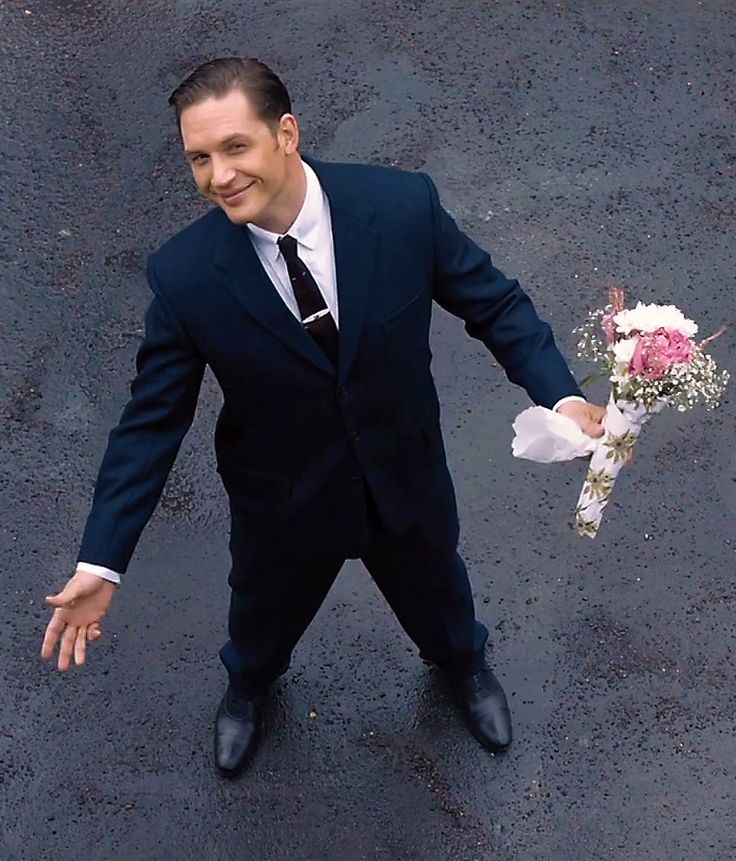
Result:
pixel 649 318
pixel 619 378
pixel 624 350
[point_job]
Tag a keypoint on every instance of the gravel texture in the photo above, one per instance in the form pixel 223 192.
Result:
pixel 584 144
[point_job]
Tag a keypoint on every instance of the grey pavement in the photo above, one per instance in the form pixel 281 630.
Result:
pixel 583 143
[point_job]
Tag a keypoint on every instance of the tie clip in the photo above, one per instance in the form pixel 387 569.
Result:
pixel 315 316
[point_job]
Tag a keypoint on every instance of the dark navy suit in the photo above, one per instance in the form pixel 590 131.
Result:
pixel 320 463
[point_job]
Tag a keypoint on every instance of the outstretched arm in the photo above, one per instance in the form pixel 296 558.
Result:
pixel 142 448
pixel 496 311
pixel 139 456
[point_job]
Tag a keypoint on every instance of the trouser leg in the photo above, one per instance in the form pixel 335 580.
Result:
pixel 270 608
pixel 425 582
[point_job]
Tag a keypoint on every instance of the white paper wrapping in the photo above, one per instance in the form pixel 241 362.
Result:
pixel 544 436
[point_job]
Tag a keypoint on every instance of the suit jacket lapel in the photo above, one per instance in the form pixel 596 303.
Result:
pixel 246 279
pixel 355 251
pixel 356 244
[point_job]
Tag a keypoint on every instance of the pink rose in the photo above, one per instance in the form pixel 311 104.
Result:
pixel 656 352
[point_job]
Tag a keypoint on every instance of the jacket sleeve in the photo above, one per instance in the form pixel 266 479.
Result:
pixel 142 448
pixel 496 311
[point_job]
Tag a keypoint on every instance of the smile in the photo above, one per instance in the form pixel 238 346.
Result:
pixel 235 196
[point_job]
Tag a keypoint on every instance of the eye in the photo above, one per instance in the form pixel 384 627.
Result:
pixel 238 146
pixel 199 159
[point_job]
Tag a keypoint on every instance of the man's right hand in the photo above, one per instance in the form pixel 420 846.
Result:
pixel 80 606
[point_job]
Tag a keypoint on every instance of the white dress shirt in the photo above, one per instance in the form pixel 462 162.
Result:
pixel 312 229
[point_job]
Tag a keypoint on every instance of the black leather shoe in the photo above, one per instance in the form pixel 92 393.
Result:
pixel 485 708
pixel 237 727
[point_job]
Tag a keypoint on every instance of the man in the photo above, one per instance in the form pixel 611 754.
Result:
pixel 308 289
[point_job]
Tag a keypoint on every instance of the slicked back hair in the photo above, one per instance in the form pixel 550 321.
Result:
pixel 262 87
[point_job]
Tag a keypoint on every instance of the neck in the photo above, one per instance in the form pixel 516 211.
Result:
pixel 287 205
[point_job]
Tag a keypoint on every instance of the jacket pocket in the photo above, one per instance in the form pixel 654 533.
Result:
pixel 396 317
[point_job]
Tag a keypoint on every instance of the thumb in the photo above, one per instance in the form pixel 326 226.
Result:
pixel 74 589
pixel 593 428
pixel 65 598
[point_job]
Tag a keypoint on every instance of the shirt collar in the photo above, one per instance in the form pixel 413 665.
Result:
pixel 305 228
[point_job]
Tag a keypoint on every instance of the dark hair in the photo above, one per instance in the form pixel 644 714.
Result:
pixel 262 87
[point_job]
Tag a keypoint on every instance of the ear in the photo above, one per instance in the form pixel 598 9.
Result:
pixel 288 133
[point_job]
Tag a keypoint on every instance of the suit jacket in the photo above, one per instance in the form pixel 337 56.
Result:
pixel 296 438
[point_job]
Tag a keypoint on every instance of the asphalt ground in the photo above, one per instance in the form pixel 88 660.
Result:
pixel 584 144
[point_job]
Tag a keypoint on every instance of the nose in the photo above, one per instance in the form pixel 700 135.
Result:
pixel 222 173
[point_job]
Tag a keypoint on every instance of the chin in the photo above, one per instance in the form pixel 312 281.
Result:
pixel 238 216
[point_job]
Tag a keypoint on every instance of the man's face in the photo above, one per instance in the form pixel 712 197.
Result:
pixel 237 160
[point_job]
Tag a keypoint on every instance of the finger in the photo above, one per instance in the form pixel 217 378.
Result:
pixel 593 428
pixel 66 646
pixel 596 412
pixel 94 632
pixel 79 646
pixel 51 637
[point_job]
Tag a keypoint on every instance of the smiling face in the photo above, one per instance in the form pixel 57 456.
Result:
pixel 249 168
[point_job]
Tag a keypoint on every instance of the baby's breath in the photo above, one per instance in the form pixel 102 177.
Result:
pixel 684 386
pixel 590 343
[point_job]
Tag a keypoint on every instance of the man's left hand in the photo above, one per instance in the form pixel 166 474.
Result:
pixel 588 416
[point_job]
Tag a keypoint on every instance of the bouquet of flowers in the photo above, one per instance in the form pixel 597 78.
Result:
pixel 652 360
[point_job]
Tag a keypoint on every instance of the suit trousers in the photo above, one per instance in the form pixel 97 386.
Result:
pixel 421 575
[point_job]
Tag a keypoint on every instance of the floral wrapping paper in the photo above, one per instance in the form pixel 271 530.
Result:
pixel 651 360
pixel 622 424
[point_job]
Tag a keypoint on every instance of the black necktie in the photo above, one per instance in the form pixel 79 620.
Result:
pixel 316 317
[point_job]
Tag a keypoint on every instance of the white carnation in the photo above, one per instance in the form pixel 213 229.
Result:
pixel 649 318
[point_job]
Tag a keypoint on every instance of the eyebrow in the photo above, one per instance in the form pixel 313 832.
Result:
pixel 190 152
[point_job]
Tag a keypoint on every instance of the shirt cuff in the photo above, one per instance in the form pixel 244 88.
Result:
pixel 100 571
pixel 566 400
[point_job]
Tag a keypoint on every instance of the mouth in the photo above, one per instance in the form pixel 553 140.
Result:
pixel 236 196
